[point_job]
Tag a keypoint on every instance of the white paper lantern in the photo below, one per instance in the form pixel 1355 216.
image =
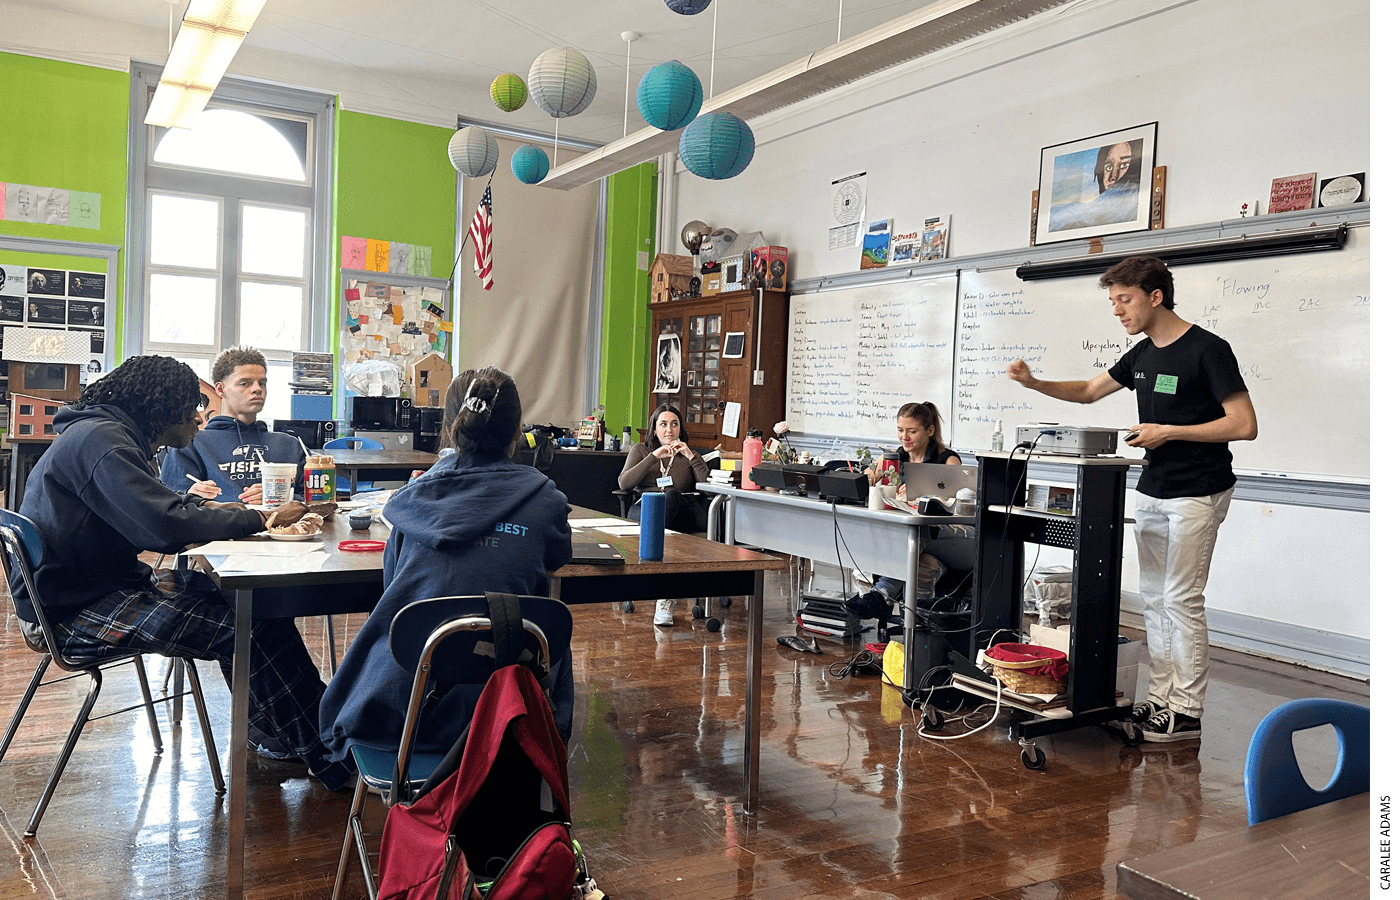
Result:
pixel 473 151
pixel 562 82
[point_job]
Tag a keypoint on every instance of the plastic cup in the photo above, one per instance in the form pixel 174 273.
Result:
pixel 278 480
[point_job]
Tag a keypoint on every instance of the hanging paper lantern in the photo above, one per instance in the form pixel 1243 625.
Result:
pixel 530 164
pixel 508 91
pixel 669 96
pixel 562 82
pixel 688 7
pixel 473 151
pixel 717 145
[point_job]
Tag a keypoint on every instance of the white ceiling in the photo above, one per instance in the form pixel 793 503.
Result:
pixel 431 60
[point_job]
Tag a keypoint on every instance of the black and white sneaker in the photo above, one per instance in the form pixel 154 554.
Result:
pixel 1140 714
pixel 1165 726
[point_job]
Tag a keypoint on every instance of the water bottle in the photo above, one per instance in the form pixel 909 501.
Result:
pixel 753 455
pixel 626 437
pixel 651 540
pixel 997 439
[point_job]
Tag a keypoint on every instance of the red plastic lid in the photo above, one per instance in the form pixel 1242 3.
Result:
pixel 360 546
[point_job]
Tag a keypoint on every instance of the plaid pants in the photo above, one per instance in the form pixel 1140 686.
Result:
pixel 183 614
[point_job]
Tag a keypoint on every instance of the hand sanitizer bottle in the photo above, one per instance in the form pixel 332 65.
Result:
pixel 997 439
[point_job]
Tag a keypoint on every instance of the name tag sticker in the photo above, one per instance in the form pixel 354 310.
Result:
pixel 1166 384
pixel 664 481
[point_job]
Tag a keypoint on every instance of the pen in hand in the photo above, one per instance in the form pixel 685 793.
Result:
pixel 208 486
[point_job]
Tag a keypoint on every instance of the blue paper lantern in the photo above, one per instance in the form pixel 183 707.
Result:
pixel 717 145
pixel 669 96
pixel 529 164
pixel 688 7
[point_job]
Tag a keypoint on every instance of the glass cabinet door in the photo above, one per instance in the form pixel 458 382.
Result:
pixel 701 390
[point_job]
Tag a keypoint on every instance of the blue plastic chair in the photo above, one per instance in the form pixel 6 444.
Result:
pixel 342 484
pixel 1273 784
pixel 440 641
pixel 23 553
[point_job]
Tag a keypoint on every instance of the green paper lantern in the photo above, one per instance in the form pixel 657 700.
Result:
pixel 508 91
pixel 669 96
pixel 717 146
pixel 473 151
pixel 562 82
pixel 529 164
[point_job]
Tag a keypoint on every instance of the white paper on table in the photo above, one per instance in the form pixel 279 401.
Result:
pixel 619 530
pixel 596 523
pixel 269 565
pixel 283 549
pixel 731 419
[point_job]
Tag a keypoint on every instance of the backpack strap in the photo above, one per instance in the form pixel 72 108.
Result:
pixel 508 634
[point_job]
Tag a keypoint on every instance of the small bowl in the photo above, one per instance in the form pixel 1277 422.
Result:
pixel 360 521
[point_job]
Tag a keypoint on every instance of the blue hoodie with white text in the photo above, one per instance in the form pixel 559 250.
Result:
pixel 468 526
pixel 231 453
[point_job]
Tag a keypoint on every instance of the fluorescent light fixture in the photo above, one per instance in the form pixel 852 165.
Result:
pixel 210 34
pixel 1273 243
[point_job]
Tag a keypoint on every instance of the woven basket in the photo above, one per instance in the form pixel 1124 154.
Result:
pixel 1019 677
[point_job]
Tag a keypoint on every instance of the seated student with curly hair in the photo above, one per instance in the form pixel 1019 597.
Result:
pixel 98 504
pixel 474 522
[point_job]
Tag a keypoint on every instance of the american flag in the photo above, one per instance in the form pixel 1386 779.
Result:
pixel 480 233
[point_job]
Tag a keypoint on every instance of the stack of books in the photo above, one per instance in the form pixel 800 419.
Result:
pixel 824 612
pixel 721 476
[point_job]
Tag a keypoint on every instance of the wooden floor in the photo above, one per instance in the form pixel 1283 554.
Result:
pixel 853 803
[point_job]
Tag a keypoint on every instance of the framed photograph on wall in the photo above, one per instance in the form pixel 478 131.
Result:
pixel 1097 185
pixel 668 364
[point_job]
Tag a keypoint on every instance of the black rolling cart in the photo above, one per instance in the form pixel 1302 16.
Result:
pixel 1090 522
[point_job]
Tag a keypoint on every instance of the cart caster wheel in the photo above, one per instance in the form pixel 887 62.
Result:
pixel 932 719
pixel 1034 763
pixel 712 624
pixel 628 606
pixel 1131 736
pixel 726 602
pixel 697 611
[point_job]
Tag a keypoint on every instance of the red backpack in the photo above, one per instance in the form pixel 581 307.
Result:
pixel 498 826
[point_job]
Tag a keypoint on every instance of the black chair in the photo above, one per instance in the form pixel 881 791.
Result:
pixel 24 552
pixel 440 641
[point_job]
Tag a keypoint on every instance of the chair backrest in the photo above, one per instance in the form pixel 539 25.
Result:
pixel 23 554
pixel 442 640
pixel 352 443
pixel 1273 783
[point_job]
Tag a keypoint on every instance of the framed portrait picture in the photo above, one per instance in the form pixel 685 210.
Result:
pixel 733 345
pixel 1097 185
pixel 668 364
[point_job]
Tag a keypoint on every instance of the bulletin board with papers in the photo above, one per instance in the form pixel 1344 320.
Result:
pixel 392 317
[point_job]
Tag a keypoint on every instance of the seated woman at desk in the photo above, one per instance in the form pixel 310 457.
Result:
pixel 474 522
pixel 920 431
pixel 665 462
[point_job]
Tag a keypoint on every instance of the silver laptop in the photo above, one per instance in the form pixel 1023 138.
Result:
pixel 932 479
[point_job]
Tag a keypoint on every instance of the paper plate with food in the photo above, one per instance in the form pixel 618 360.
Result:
pixel 303 529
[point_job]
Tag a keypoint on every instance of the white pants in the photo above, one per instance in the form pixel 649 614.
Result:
pixel 1175 541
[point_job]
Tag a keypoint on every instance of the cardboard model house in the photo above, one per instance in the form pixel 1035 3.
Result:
pixel 31 418
pixel 46 362
pixel 670 274
pixel 431 373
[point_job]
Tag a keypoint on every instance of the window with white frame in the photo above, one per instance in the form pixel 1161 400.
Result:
pixel 228 231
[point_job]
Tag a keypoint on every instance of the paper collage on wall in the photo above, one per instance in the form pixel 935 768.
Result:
pixel 60 299
pixel 50 206
pixel 392 323
pixel 390 257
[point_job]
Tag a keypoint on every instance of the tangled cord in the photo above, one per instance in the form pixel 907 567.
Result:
pixel 864 662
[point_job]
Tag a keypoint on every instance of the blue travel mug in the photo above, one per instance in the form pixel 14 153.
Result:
pixel 653 537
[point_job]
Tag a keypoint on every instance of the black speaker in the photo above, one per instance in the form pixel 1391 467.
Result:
pixel 768 475
pixel 313 432
pixel 429 432
pixel 851 487
pixel 408 414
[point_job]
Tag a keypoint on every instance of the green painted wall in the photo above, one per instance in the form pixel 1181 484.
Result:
pixel 626 320
pixel 73 121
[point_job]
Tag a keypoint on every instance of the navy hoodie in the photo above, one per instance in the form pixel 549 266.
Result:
pixel 468 526
pixel 98 504
pixel 230 453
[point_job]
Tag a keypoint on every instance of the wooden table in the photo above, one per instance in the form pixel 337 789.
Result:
pixel 352 582
pixel 1318 852
pixel 350 462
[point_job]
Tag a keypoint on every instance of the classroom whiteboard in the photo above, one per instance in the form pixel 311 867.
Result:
pixel 855 356
pixel 1299 326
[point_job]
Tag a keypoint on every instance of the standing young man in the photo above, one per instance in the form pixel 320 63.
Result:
pixel 227 456
pixel 1191 402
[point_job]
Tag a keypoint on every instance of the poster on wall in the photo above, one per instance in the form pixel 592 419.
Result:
pixel 48 281
pixel 847 211
pixel 1094 186
pixel 668 364
pixel 47 310
pixel 13 281
pixel 92 285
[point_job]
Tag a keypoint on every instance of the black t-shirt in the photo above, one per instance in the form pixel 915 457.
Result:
pixel 931 455
pixel 1183 383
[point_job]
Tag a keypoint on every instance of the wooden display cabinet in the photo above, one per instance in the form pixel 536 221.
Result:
pixel 709 379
